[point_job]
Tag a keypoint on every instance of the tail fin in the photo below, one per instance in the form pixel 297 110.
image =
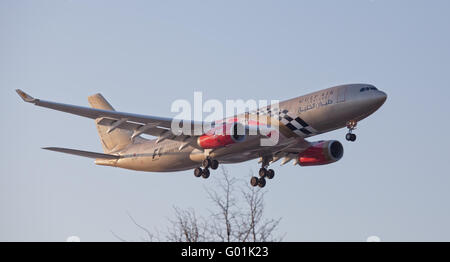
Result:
pixel 114 140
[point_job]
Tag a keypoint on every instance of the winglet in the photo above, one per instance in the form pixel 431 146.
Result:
pixel 26 97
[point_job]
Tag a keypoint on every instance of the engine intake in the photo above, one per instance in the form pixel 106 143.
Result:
pixel 321 153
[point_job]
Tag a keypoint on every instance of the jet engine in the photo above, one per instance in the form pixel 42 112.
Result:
pixel 224 135
pixel 321 153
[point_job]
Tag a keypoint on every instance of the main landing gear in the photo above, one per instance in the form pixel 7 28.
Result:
pixel 351 125
pixel 263 174
pixel 207 163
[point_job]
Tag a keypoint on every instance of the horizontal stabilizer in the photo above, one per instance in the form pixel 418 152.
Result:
pixel 81 153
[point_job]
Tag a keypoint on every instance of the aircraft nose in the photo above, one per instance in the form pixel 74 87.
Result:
pixel 381 96
pixel 378 98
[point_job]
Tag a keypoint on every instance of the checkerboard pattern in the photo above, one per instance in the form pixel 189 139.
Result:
pixel 294 123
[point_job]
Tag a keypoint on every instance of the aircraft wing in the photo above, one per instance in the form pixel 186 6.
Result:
pixel 140 124
pixel 289 151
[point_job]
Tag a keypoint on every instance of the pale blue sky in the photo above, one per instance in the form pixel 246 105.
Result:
pixel 142 55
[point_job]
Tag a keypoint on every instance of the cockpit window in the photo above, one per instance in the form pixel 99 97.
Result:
pixel 367 89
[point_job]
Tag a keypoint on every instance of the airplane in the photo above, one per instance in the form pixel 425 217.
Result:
pixel 295 120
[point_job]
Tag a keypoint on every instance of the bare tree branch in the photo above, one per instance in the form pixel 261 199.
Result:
pixel 186 227
pixel 225 202
pixel 147 231
pixel 118 237
pixel 234 218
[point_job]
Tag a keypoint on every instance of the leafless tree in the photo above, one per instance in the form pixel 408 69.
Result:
pixel 186 227
pixel 256 228
pixel 237 216
pixel 239 221
pixel 223 220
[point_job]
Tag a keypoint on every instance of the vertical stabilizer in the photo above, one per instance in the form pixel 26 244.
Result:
pixel 115 140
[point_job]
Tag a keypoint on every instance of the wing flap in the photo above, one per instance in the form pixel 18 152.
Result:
pixel 160 132
pixel 81 153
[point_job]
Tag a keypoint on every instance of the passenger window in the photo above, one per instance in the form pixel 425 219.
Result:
pixel 367 89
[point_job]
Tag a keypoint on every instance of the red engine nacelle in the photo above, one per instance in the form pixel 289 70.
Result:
pixel 221 136
pixel 321 153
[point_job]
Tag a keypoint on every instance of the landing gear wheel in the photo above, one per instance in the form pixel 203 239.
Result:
pixel 206 163
pixel 198 172
pixel 214 164
pixel 262 182
pixel 254 181
pixel 205 173
pixel 262 172
pixel 270 174
pixel 348 136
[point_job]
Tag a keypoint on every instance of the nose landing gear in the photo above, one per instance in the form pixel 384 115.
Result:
pixel 351 125
pixel 350 137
